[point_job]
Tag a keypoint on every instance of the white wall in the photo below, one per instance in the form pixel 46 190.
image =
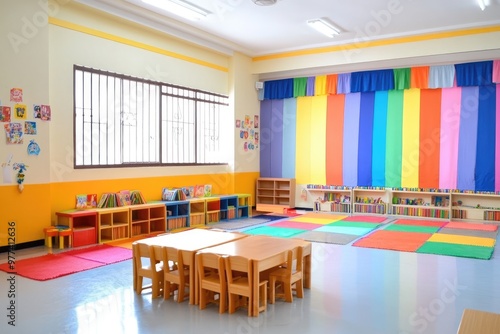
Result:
pixel 24 60
pixel 103 42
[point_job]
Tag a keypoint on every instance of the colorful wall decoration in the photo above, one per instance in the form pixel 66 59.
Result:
pixel 423 127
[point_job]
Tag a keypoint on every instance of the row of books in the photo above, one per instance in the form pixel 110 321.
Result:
pixel 183 193
pixel 174 223
pixel 369 200
pixel 375 208
pixel 109 200
pixel 421 212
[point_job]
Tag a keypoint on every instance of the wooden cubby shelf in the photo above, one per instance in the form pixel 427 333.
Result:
pixel 275 194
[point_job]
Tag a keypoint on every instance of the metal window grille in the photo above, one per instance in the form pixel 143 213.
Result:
pixel 125 121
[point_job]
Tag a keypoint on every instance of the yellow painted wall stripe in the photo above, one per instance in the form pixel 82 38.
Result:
pixel 381 42
pixel 129 42
pixel 411 135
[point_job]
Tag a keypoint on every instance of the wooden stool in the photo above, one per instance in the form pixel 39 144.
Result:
pixel 65 233
pixel 50 232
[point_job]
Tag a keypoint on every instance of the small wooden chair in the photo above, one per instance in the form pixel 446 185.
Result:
pixel 239 284
pixel 288 275
pixel 175 276
pixel 212 280
pixel 146 265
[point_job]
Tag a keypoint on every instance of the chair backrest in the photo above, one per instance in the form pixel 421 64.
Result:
pixel 172 259
pixel 210 261
pixel 237 264
pixel 294 260
pixel 140 252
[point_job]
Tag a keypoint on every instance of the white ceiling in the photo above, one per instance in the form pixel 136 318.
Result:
pixel 241 25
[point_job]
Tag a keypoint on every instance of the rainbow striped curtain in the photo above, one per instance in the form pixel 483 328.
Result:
pixel 386 132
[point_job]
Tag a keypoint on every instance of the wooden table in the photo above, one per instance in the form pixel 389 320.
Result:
pixel 265 253
pixel 189 242
pixel 475 321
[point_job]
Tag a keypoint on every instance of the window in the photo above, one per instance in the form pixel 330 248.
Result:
pixel 124 121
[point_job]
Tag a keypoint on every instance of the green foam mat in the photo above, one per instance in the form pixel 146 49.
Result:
pixel 441 248
pixel 281 232
pixel 412 228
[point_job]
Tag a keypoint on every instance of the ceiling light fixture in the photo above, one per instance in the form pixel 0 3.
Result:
pixel 483 4
pixel 264 2
pixel 181 8
pixel 324 26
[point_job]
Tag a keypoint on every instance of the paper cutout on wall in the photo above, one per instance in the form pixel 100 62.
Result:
pixel 33 148
pixel 4 114
pixel 16 95
pixel 46 113
pixel 37 111
pixel 14 133
pixel 30 128
pixel 20 111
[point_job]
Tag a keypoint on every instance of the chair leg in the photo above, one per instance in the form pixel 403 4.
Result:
pixel 166 290
pixel 288 291
pixel 138 287
pixel 222 301
pixel 155 288
pixel 203 298
pixel 299 287
pixel 180 293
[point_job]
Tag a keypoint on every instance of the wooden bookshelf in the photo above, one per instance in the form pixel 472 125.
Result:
pixel 177 214
pixel 275 194
pixel 83 224
pixel 147 219
pixel 331 200
pixel 475 207
pixel 420 204
pixel 369 201
pixel 113 223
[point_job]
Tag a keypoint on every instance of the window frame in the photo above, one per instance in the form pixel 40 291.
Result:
pixel 162 88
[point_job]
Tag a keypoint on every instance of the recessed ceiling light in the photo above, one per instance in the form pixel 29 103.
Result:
pixel 264 2
pixel 324 26
pixel 181 8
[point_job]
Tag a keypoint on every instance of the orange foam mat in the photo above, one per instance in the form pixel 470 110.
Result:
pixel 394 240
pixel 472 226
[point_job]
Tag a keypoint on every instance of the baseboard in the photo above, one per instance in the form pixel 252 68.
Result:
pixel 23 245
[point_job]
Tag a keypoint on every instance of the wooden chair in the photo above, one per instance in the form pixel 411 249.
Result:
pixel 239 285
pixel 212 280
pixel 175 273
pixel 147 265
pixel 288 275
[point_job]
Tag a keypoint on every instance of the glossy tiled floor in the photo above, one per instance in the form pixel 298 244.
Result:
pixel 354 290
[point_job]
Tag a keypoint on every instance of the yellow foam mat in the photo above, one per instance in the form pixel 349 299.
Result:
pixel 311 220
pixel 462 240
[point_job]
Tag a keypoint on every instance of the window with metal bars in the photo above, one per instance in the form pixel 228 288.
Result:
pixel 120 120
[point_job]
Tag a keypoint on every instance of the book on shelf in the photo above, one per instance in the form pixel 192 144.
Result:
pixel 199 191
pixel 208 190
pixel 85 201
pixel 81 201
pixel 124 197
pixel 169 194
pixel 136 197
pixel 108 200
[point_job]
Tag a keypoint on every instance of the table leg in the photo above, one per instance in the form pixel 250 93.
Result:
pixel 193 282
pixel 254 300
